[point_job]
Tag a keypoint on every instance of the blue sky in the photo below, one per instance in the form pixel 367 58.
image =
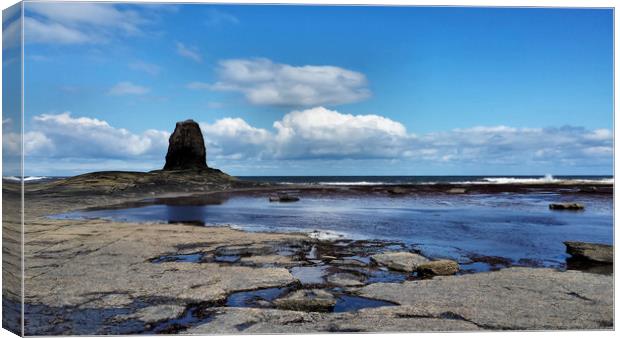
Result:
pixel 307 90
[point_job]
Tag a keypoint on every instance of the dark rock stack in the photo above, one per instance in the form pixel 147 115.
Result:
pixel 186 148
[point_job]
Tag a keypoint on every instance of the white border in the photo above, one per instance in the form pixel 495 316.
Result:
pixel 476 3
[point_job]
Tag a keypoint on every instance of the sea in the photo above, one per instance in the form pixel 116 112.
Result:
pixel 386 180
pixel 516 227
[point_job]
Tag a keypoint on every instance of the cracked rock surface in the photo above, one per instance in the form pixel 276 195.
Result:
pixel 514 298
pixel 384 319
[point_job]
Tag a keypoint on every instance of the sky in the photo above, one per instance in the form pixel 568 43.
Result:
pixel 319 90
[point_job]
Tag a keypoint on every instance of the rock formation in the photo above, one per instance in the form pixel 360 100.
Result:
pixel 600 253
pixel 186 148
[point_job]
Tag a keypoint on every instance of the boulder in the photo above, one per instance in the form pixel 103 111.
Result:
pixel 314 300
pixel 442 267
pixel 601 253
pixel 566 206
pixel 186 148
pixel 401 261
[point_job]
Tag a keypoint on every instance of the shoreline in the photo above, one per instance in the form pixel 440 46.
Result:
pixel 106 269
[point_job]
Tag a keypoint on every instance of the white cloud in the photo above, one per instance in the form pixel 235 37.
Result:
pixel 11 32
pixel 235 139
pixel 216 17
pixel 324 133
pixel 189 52
pixel 128 88
pixel 36 31
pixel 149 68
pixel 197 85
pixel 319 134
pixel 78 23
pixel 264 82
pixel 62 135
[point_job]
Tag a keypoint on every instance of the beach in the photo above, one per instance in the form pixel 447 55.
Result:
pixel 108 276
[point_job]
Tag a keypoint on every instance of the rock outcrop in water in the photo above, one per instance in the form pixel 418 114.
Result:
pixel 186 148
pixel 599 253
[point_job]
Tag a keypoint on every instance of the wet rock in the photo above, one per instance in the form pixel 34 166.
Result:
pixel 283 198
pixel 348 261
pixel 186 148
pixel 314 300
pixel 457 191
pixel 154 314
pixel 601 253
pixel 314 274
pixel 245 250
pixel 397 191
pixel 509 299
pixel 442 267
pixel 401 261
pixel 566 206
pixel 275 260
pixel 345 279
pixel 494 262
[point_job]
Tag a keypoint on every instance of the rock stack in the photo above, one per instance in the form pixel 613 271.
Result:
pixel 186 148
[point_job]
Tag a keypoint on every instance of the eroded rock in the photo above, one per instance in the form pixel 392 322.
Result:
pixel 400 261
pixel 511 299
pixel 601 253
pixel 152 314
pixel 314 300
pixel 566 206
pixel 345 279
pixel 242 250
pixel 186 148
pixel 442 267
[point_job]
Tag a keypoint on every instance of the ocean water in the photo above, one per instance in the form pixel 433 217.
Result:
pixel 382 180
pixel 518 227
pixel 378 180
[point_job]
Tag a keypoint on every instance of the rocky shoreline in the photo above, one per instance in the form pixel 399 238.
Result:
pixel 103 277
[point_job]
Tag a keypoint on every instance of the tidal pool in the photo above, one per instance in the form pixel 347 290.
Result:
pixel 518 227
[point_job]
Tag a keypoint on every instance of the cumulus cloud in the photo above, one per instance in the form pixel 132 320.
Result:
pixel 128 88
pixel 324 133
pixel 189 52
pixel 264 82
pixel 63 135
pixel 514 146
pixel 233 138
pixel 320 134
pixel 79 23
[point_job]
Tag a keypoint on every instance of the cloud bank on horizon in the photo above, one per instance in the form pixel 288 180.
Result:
pixel 318 134
pixel 108 81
